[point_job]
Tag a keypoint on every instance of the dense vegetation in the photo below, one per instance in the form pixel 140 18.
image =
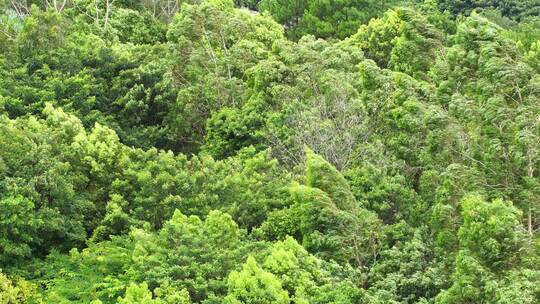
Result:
pixel 274 151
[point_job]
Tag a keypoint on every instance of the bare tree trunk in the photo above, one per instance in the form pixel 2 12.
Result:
pixel 529 221
pixel 21 8
pixel 530 173
pixel 96 2
pixel 169 9
pixel 58 6
pixel 108 4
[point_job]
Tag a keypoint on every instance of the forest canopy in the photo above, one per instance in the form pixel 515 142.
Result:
pixel 274 151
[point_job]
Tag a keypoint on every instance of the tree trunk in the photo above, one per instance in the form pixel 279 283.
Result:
pixel 530 173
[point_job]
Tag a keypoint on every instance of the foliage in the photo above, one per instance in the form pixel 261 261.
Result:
pixel 254 285
pixel 513 8
pixel 17 291
pixel 220 151
pixel 324 19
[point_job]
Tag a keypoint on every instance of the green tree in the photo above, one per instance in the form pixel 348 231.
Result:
pixel 332 224
pixel 46 179
pixel 511 8
pixel 491 231
pixel 254 285
pixel 492 242
pixel 308 279
pixel 387 194
pixel 98 272
pixel 19 225
pixel 297 98
pixel 138 294
pixel 190 254
pixel 17 291
pixel 402 40
pixel 324 19
pixel 407 272
pixel 213 47
pixel 170 295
